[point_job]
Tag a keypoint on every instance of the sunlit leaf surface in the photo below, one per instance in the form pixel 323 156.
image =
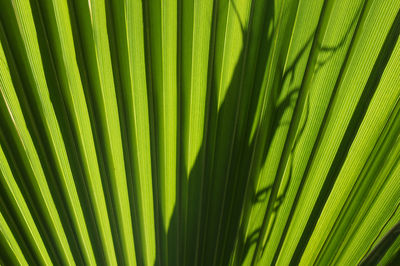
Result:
pixel 199 132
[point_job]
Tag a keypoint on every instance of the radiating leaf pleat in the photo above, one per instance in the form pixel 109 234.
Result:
pixel 197 44
pixel 62 45
pixel 13 192
pixel 162 44
pixel 53 132
pixel 8 241
pixel 95 46
pixel 130 33
pixel 14 119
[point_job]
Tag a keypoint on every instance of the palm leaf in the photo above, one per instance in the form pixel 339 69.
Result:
pixel 199 132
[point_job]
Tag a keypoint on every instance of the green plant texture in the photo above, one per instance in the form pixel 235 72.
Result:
pixel 199 132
